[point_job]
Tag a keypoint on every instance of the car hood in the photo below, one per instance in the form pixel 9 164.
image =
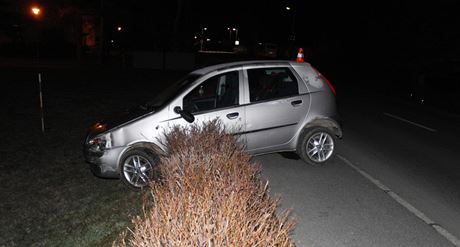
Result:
pixel 127 116
pixel 119 119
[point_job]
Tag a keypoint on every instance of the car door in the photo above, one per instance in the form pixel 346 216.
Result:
pixel 274 108
pixel 219 97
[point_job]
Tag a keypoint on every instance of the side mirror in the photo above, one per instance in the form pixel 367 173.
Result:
pixel 184 114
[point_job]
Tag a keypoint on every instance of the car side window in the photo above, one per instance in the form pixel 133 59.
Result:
pixel 271 83
pixel 216 92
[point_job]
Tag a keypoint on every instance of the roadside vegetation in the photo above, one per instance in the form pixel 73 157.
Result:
pixel 209 194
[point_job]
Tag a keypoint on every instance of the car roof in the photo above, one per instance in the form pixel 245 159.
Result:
pixel 222 66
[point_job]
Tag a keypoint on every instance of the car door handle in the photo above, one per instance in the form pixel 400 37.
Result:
pixel 233 115
pixel 296 102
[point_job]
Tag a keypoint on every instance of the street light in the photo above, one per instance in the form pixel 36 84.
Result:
pixel 229 34
pixel 35 11
pixel 237 42
pixel 291 9
pixel 230 30
pixel 202 37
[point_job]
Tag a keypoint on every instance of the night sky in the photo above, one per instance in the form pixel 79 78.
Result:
pixel 381 31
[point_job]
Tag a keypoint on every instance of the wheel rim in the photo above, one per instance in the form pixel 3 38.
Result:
pixel 137 170
pixel 320 147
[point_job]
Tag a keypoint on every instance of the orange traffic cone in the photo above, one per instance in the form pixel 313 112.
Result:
pixel 299 58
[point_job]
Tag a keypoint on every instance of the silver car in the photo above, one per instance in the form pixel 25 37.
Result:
pixel 273 106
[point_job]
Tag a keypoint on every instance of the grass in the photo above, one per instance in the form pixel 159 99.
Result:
pixel 53 200
pixel 49 196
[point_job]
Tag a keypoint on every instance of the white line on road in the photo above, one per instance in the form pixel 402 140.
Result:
pixel 454 240
pixel 409 122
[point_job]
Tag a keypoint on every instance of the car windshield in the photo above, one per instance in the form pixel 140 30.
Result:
pixel 172 90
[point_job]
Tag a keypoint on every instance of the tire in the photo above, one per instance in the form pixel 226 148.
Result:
pixel 138 168
pixel 316 146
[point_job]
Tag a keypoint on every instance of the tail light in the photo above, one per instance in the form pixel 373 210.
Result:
pixel 327 81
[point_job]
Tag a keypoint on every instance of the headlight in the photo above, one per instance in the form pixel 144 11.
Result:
pixel 99 143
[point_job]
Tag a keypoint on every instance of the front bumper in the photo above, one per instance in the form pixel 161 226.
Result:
pixel 103 164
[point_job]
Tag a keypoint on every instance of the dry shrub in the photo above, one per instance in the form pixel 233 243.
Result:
pixel 210 194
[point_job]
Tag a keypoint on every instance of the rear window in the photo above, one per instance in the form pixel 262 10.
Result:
pixel 271 83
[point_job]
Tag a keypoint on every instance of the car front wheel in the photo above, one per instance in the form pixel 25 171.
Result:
pixel 137 168
pixel 316 146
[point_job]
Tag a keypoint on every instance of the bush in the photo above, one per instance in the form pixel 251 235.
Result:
pixel 210 194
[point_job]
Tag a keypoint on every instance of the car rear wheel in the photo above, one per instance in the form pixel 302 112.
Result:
pixel 137 168
pixel 316 146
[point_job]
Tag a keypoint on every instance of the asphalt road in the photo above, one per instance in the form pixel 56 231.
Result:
pixel 394 182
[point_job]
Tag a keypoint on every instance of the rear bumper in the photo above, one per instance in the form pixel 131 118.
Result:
pixel 338 126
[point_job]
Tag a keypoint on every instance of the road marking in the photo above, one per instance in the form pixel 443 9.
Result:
pixel 409 122
pixel 454 240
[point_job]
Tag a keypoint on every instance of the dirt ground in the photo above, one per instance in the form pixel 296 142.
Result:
pixel 48 195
